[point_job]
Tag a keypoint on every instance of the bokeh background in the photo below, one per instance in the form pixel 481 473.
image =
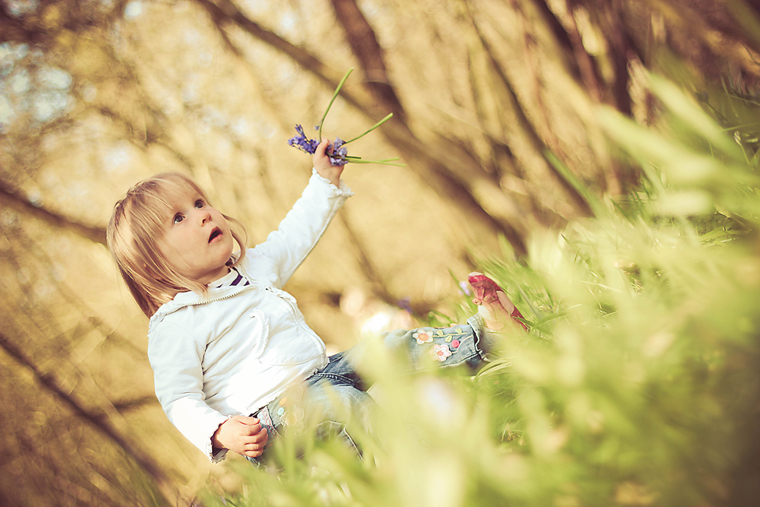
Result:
pixel 496 117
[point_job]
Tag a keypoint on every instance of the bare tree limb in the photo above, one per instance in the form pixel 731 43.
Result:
pixel 527 126
pixel 14 29
pixel 686 18
pixel 17 201
pixel 88 315
pixel 587 67
pixel 34 28
pixel 621 51
pixel 561 35
pixel 363 41
pixel 226 12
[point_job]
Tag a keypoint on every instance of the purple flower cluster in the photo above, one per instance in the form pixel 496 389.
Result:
pixel 335 151
pixel 302 142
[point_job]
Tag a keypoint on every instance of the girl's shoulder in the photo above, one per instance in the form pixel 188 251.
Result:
pixel 166 317
pixel 259 268
pixel 179 301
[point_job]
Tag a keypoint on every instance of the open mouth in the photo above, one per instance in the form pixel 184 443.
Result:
pixel 215 234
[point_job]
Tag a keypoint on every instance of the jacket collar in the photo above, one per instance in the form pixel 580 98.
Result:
pixel 190 298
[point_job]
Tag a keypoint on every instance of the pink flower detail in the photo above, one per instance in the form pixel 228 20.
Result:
pixel 455 344
pixel 440 352
pixel 422 337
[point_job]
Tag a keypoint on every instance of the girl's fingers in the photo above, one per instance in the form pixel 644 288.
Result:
pixel 253 450
pixel 259 437
pixel 245 419
pixel 251 430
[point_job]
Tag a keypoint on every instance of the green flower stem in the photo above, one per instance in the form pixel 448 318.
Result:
pixel 352 159
pixel 387 161
pixel 370 130
pixel 335 95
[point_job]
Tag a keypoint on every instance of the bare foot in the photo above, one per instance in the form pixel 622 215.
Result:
pixel 492 298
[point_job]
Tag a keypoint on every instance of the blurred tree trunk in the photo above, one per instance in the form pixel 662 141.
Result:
pixel 363 41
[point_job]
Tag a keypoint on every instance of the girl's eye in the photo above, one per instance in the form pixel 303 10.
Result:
pixel 199 204
pixel 178 218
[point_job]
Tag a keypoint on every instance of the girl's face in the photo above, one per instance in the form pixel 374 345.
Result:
pixel 197 241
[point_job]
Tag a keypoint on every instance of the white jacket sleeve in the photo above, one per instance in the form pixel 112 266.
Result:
pixel 303 226
pixel 176 361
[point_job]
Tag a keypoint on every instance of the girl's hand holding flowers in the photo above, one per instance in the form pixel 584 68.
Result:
pixel 335 153
pixel 324 165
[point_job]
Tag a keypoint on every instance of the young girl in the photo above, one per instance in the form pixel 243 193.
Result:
pixel 226 342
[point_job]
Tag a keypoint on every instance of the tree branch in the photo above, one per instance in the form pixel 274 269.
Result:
pixel 363 41
pixel 225 12
pixel 620 45
pixel 561 35
pixel 527 127
pixel 589 71
pixel 15 200
pixel 729 46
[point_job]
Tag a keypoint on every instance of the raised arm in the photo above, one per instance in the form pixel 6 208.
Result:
pixel 324 167
pixel 306 222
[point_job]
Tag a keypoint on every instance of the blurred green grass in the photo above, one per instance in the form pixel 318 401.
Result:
pixel 638 382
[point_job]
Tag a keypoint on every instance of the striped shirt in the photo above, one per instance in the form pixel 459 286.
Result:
pixel 237 281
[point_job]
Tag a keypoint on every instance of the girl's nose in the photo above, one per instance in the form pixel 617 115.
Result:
pixel 205 216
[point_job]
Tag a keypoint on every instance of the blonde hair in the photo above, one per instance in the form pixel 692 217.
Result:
pixel 134 230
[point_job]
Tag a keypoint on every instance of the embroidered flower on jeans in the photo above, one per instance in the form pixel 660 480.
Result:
pixel 455 344
pixel 440 352
pixel 423 337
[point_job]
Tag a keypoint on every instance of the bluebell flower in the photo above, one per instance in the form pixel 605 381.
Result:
pixel 302 142
pixel 337 153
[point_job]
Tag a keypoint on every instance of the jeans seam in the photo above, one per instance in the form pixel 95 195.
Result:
pixel 331 376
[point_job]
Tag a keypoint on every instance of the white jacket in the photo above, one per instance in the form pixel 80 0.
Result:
pixel 236 350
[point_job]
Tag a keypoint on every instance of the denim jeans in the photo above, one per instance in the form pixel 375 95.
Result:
pixel 336 394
